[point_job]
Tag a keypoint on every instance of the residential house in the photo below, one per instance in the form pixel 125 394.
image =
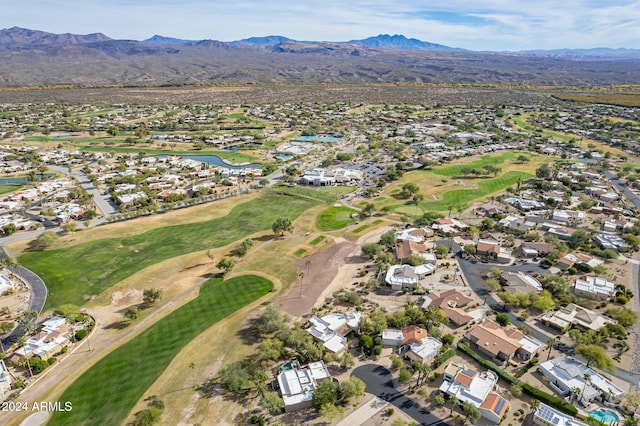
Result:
pixel 475 388
pixel 516 223
pixel 501 344
pixel 576 316
pixel 519 282
pixel 532 249
pixel 416 235
pixel 549 416
pixel 54 334
pixel 525 205
pixel 449 226
pixel 571 259
pixel 331 329
pixel 406 276
pixel 452 303
pixel 594 287
pixel 392 337
pixel 423 351
pixel 611 241
pixel 566 374
pixel 494 250
pixel 297 384
pixel 408 248
pixel 572 217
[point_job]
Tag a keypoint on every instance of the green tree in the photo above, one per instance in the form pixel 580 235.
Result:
pixel 404 375
pixel 534 405
pixel 352 387
pixel 371 250
pixel 235 378
pixel 551 344
pixel 453 401
pixel 272 402
pixel 366 342
pixel 226 264
pixel 271 349
pixel 43 241
pixel 596 355
pixel 471 412
pixel 388 239
pixel 625 317
pixel 282 225
pixel 347 361
pixel 151 295
pixel 327 392
pixel 516 390
pixel 272 320
pixel 113 131
pixel 9 229
pixel 578 239
pixel 132 313
pixel 502 319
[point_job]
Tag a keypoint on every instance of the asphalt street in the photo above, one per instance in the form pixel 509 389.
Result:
pixel 379 383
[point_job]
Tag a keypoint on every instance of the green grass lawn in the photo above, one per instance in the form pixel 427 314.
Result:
pixel 461 197
pixel 337 190
pixel 317 240
pixel 36 139
pixel 360 228
pixel 305 191
pixel 9 187
pixel 485 160
pixel 299 252
pixel 75 273
pixel 108 391
pixel 335 217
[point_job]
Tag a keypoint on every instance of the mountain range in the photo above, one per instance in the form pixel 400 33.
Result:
pixel 32 57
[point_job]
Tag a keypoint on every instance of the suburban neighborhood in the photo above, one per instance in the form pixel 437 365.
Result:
pixel 434 264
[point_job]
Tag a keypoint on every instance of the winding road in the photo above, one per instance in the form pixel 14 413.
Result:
pixel 379 383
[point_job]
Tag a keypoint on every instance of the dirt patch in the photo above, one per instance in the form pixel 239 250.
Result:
pixel 325 272
pixel 319 271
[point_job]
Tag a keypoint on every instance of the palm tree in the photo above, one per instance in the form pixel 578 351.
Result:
pixel 535 405
pixel 551 343
pixel 575 393
pixel 301 276
pixel 453 400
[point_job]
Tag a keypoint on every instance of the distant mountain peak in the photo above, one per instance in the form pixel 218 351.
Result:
pixel 17 37
pixel 271 40
pixel 400 42
pixel 159 39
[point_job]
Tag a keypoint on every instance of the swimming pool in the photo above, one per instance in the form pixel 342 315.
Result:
pixel 287 366
pixel 605 416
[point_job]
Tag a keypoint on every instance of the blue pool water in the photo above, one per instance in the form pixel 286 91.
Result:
pixel 605 416
pixel 287 366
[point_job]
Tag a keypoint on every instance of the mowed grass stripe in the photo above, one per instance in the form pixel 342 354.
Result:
pixel 461 197
pixel 334 218
pixel 108 391
pixel 485 160
pixel 75 273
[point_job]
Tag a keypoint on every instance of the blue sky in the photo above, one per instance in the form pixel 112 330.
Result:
pixel 470 24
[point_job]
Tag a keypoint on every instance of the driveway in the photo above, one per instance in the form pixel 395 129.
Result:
pixel 379 383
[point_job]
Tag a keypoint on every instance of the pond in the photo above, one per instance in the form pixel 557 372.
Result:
pixel 217 161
